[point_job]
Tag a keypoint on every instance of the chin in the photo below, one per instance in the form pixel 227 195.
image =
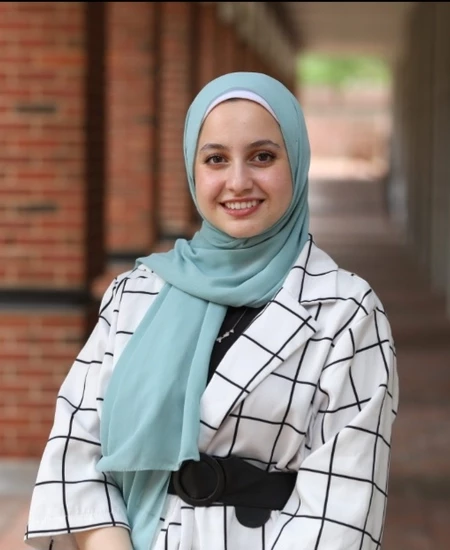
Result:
pixel 242 233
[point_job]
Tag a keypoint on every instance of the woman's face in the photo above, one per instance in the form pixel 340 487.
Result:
pixel 243 180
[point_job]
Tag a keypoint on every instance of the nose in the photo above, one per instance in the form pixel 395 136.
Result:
pixel 239 178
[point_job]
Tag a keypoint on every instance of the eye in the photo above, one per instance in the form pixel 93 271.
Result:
pixel 264 157
pixel 214 159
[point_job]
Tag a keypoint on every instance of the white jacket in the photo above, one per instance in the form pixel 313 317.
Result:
pixel 311 386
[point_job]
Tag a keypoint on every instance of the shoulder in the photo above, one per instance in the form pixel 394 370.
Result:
pixel 128 297
pixel 352 286
pixel 139 280
pixel 318 279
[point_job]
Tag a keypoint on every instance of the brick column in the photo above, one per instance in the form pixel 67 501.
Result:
pixel 51 174
pixel 207 45
pixel 176 90
pixel 234 47
pixel 132 41
pixel 253 60
pixel 225 51
pixel 243 55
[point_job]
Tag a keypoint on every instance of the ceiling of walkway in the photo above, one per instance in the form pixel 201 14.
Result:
pixel 367 28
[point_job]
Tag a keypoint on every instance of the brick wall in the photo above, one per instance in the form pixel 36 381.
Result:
pixel 51 154
pixel 41 147
pixel 131 97
pixel 36 349
pixel 93 98
pixel 206 66
pixel 176 90
pixel 226 48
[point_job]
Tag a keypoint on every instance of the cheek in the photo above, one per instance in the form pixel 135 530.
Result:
pixel 279 188
pixel 206 187
pixel 200 191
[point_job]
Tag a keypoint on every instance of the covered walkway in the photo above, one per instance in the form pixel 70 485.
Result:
pixel 92 101
pixel 349 221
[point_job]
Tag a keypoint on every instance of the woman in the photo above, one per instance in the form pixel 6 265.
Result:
pixel 239 391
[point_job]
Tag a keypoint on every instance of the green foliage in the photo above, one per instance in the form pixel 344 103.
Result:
pixel 338 72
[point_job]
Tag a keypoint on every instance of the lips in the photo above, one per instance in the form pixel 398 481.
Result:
pixel 241 208
pixel 241 204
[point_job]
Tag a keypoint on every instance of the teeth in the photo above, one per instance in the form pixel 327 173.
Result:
pixel 240 205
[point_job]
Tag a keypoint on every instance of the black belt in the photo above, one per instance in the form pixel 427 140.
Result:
pixel 253 492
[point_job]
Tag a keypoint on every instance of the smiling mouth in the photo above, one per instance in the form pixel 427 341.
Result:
pixel 242 207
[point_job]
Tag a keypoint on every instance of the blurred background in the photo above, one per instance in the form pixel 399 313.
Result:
pixel 92 103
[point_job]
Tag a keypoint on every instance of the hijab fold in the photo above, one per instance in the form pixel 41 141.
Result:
pixel 151 412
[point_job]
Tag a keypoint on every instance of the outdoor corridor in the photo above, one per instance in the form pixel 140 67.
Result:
pixel 348 220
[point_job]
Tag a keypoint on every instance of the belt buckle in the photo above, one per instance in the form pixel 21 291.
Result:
pixel 209 499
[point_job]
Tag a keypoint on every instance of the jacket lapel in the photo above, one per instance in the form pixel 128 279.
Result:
pixel 277 332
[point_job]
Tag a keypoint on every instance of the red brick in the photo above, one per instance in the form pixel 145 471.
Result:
pixel 131 108
pixel 177 86
pixel 34 365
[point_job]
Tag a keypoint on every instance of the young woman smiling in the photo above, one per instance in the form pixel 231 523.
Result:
pixel 238 391
pixel 243 183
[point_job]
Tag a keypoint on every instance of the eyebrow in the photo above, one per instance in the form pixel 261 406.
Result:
pixel 259 143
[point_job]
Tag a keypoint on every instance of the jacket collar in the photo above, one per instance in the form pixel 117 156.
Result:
pixel 313 278
pixel 282 328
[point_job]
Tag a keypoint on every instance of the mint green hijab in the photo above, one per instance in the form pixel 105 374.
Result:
pixel 150 419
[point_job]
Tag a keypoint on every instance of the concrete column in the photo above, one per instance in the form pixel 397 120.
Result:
pixel 396 192
pixel 440 183
pixel 420 114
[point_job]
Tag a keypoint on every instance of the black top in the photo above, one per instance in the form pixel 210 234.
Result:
pixel 231 317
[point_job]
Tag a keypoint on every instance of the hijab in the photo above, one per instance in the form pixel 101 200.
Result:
pixel 151 413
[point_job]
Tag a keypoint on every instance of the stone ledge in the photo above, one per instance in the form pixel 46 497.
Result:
pixel 17 476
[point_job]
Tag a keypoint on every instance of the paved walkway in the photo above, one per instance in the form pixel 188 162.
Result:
pixel 348 221
pixel 16 482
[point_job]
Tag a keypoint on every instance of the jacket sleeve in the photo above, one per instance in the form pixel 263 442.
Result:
pixel 70 494
pixel 341 491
